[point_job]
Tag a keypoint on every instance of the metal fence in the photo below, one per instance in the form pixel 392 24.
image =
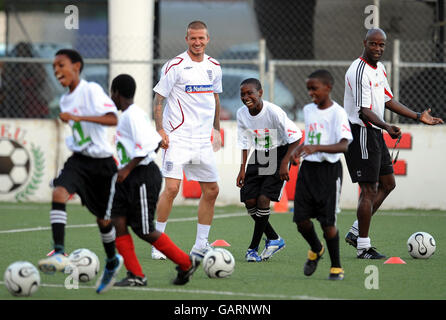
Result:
pixel 300 36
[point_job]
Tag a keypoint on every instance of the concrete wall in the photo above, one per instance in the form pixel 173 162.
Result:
pixel 44 141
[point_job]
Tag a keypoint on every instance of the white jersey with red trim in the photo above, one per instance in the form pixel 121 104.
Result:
pixel 136 137
pixel 267 130
pixel 325 127
pixel 366 87
pixel 89 138
pixel 189 87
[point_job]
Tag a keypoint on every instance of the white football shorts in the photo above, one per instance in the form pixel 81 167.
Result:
pixel 196 160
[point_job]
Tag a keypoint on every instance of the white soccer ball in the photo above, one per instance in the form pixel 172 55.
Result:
pixel 421 245
pixel 84 265
pixel 21 279
pixel 218 263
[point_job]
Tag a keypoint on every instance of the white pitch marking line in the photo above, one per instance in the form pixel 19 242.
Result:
pixel 208 292
pixel 217 216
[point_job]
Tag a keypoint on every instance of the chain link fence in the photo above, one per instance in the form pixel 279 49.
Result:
pixel 299 37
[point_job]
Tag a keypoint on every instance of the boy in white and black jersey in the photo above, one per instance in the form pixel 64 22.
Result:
pixel 266 128
pixel 137 188
pixel 90 171
pixel 367 94
pixel 318 186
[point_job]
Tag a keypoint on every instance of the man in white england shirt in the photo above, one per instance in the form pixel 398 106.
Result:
pixel 190 84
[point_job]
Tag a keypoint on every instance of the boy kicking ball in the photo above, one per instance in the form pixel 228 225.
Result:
pixel 318 187
pixel 266 128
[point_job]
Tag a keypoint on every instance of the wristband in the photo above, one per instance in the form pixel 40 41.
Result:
pixel 418 116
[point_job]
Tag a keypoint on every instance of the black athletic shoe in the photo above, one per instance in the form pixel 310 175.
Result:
pixel 351 239
pixel 184 276
pixel 370 253
pixel 311 263
pixel 131 281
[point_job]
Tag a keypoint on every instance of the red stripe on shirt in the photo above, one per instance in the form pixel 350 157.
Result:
pixel 388 93
pixel 175 64
pixel 182 115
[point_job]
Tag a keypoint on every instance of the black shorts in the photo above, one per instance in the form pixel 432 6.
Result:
pixel 136 198
pixel 262 175
pixel 318 190
pixel 90 178
pixel 367 156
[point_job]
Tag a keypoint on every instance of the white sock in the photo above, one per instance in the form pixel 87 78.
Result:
pixel 202 236
pixel 363 243
pixel 355 229
pixel 160 226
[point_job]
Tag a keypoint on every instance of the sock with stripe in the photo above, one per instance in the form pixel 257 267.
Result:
pixel 126 249
pixel 260 222
pixel 58 220
pixel 354 228
pixel 269 230
pixel 333 250
pixel 108 235
pixel 171 251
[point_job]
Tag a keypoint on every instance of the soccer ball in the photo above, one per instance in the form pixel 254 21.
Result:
pixel 21 279
pixel 218 263
pixel 84 265
pixel 421 245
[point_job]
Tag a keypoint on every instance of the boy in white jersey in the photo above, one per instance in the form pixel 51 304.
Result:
pixel 265 127
pixel 137 188
pixel 318 186
pixel 90 171
pixel 367 94
pixel 190 83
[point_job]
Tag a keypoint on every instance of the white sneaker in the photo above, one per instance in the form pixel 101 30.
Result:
pixel 51 264
pixel 158 255
pixel 200 253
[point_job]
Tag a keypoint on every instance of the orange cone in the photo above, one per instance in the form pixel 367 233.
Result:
pixel 220 243
pixel 394 260
pixel 282 205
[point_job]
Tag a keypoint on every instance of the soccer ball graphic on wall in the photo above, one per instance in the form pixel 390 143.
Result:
pixel 14 165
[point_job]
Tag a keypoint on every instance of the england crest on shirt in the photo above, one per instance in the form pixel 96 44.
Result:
pixel 209 74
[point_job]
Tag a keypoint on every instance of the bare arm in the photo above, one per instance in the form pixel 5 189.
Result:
pixel 125 171
pixel 108 119
pixel 216 143
pixel 241 175
pixel 339 147
pixel 404 111
pixel 284 171
pixel 158 114
pixel 367 115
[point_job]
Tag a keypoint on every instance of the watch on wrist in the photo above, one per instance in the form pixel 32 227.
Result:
pixel 418 116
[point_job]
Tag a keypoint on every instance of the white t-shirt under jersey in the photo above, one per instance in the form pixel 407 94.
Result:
pixel 136 137
pixel 325 127
pixel 267 130
pixel 189 88
pixel 89 138
pixel 366 87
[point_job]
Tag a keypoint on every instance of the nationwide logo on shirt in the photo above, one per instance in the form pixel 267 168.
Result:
pixel 199 88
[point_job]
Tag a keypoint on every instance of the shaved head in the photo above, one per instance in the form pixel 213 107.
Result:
pixel 373 32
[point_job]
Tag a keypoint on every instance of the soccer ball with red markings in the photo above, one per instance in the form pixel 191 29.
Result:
pixel 21 279
pixel 218 263
pixel 421 245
